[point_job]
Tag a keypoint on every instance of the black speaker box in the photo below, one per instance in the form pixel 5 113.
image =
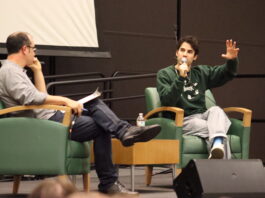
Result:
pixel 203 178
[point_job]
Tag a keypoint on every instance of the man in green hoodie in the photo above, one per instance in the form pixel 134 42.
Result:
pixel 184 86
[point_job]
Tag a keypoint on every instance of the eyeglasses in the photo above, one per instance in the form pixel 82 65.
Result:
pixel 33 48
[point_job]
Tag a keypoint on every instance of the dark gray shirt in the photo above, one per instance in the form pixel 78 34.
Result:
pixel 17 89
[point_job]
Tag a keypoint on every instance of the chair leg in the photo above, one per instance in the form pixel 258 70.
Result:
pixel 86 182
pixel 132 177
pixel 148 174
pixel 178 171
pixel 73 179
pixel 65 179
pixel 16 183
pixel 174 171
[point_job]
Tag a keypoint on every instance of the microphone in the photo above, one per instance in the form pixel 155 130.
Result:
pixel 184 65
pixel 184 60
pixel 42 62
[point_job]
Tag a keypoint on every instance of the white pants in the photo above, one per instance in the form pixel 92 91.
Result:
pixel 208 125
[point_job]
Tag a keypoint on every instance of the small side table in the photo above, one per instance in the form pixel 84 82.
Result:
pixel 153 152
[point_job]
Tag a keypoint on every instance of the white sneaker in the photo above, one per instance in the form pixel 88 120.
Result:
pixel 217 152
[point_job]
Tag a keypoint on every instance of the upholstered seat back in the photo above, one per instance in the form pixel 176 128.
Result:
pixel 31 146
pixel 36 147
pixel 40 147
pixel 2 106
pixel 152 98
pixel 209 99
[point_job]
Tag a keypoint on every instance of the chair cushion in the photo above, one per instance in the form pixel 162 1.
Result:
pixel 32 146
pixel 196 145
pixel 78 157
pixel 193 145
pixel 236 127
pixel 2 106
pixel 152 98
pixel 77 150
pixel 209 99
pixel 235 143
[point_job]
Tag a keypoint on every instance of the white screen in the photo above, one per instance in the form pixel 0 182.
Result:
pixel 68 23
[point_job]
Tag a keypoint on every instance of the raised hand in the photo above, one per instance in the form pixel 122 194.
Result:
pixel 231 50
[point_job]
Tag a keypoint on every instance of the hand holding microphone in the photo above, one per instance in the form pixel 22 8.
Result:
pixel 183 68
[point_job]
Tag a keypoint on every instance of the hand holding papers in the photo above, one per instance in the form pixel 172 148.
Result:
pixel 90 97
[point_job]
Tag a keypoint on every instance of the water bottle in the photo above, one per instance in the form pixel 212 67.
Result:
pixel 140 120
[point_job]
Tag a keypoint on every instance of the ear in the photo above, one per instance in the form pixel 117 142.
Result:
pixel 24 49
pixel 177 53
pixel 195 57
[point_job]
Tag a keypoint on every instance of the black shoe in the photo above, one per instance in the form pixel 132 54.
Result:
pixel 139 134
pixel 118 188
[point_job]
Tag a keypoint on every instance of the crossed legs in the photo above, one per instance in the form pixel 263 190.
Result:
pixel 209 125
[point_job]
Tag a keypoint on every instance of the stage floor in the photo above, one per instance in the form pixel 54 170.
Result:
pixel 161 185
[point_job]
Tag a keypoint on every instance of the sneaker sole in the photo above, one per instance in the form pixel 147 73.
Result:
pixel 144 137
pixel 217 153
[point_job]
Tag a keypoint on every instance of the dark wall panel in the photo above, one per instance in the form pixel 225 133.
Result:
pixel 239 19
pixel 243 92
pixel 257 148
pixel 139 34
pixel 155 17
pixel 141 53
pixel 215 21
pixel 251 57
pixel 129 108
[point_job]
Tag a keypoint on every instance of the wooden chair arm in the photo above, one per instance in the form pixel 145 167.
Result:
pixel 67 114
pixel 247 114
pixel 178 111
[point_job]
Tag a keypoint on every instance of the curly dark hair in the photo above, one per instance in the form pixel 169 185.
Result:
pixel 192 40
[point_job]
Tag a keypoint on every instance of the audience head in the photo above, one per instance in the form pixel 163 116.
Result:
pixel 58 188
pixel 53 188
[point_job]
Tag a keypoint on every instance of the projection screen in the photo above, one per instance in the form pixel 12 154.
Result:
pixel 53 23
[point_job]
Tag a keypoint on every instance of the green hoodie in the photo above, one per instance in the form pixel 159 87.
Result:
pixel 189 93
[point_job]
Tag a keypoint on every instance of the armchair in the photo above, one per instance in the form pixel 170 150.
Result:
pixel 30 146
pixel 192 147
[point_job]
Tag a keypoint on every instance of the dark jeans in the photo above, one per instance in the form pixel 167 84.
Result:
pixel 98 124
